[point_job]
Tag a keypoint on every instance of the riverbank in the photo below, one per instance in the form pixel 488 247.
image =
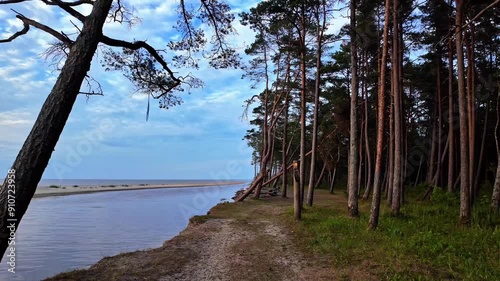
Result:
pixel 55 190
pixel 259 240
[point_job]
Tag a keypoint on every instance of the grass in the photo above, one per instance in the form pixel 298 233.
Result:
pixel 424 243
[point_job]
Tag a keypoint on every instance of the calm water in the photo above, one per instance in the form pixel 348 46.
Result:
pixel 68 232
pixel 99 182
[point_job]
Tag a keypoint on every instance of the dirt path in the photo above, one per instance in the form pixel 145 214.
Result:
pixel 248 245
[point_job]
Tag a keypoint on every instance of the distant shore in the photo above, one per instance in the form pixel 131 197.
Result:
pixel 45 191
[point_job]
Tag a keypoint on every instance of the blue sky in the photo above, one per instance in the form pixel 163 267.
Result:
pixel 107 137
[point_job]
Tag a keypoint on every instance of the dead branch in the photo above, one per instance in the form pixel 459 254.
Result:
pixel 27 22
pixel 17 34
pixel 66 6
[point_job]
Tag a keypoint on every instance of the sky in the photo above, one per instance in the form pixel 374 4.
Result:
pixel 108 137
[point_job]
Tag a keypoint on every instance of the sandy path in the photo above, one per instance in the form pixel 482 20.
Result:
pixel 218 249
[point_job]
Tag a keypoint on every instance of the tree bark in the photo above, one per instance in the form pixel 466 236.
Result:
pixel 465 208
pixel 38 147
pixel 375 207
pixel 352 203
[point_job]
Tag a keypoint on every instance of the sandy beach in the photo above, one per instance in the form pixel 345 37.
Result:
pixel 44 191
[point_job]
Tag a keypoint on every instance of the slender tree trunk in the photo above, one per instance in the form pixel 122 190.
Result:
pixel 481 153
pixel 352 203
pixel 465 208
pixel 366 195
pixel 332 183
pixel 303 113
pixel 495 197
pixel 451 125
pixel 432 157
pixel 38 147
pixel 390 176
pixel 285 150
pixel 319 33
pixel 375 207
pixel 321 175
pixel 471 109
pixel 437 181
pixel 396 189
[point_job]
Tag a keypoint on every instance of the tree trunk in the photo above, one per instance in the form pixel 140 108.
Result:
pixel 396 189
pixel 451 121
pixel 481 152
pixel 303 108
pixel 471 109
pixel 375 207
pixel 366 195
pixel 465 208
pixel 319 33
pixel 321 175
pixel 352 203
pixel 495 197
pixel 38 147
pixel 285 151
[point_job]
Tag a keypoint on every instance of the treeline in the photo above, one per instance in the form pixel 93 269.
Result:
pixel 405 94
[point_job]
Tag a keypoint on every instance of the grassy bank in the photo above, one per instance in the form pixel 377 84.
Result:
pixel 259 240
pixel 424 243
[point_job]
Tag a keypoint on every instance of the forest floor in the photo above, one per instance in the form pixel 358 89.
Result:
pixel 259 240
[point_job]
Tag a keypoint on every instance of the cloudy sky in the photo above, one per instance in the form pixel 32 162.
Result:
pixel 107 137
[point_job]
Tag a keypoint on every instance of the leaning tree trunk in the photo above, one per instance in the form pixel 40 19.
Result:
pixel 465 208
pixel 38 147
pixel 352 203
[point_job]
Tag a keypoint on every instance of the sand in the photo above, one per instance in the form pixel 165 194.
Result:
pixel 44 191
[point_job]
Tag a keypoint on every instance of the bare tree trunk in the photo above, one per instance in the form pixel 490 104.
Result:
pixel 375 207
pixel 451 125
pixel 366 195
pixel 481 152
pixel 396 189
pixel 465 208
pixel 319 33
pixel 285 151
pixel 321 175
pixel 437 181
pixel 297 204
pixel 38 147
pixel 303 108
pixel 495 197
pixel 332 183
pixel 352 203
pixel 390 176
pixel 471 109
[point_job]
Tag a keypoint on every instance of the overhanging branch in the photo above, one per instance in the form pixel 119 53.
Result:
pixel 66 6
pixel 138 45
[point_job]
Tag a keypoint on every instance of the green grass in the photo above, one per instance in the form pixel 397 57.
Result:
pixel 424 243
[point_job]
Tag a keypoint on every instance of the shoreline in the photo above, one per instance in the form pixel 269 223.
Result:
pixel 46 191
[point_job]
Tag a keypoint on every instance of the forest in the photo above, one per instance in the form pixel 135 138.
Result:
pixel 404 97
